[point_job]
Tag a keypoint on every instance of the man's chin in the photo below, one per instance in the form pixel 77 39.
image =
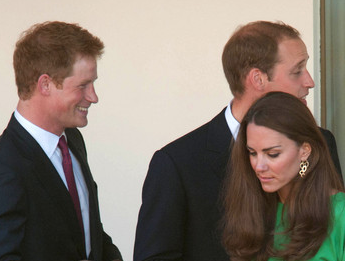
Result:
pixel 82 125
pixel 79 124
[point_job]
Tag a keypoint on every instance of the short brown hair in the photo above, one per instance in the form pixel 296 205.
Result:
pixel 254 45
pixel 51 48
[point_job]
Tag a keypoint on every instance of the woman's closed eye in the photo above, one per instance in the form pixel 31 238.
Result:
pixel 273 155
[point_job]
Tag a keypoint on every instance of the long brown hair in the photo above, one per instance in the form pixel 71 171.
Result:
pixel 250 213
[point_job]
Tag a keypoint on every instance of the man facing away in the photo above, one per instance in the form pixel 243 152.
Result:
pixel 180 211
pixel 48 199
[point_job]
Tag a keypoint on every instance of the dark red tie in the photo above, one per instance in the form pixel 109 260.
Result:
pixel 68 169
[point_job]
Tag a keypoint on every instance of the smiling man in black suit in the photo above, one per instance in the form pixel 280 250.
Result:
pixel 48 199
pixel 180 212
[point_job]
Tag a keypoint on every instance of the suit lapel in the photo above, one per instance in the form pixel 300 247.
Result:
pixel 79 152
pixel 218 144
pixel 42 168
pixel 76 144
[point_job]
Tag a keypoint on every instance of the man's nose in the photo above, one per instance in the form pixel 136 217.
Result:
pixel 308 81
pixel 91 95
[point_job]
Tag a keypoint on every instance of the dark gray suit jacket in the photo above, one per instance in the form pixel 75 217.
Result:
pixel 37 218
pixel 180 211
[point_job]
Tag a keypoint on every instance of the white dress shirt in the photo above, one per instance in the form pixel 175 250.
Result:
pixel 48 142
pixel 233 124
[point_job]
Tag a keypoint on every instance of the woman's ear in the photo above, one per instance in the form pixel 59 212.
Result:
pixel 305 151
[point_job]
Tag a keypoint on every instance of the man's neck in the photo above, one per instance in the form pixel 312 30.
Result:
pixel 37 116
pixel 239 108
pixel 240 105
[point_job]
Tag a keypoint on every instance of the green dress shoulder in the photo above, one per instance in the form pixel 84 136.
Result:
pixel 333 248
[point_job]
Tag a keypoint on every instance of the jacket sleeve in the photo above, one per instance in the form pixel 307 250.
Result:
pixel 110 251
pixel 332 146
pixel 12 215
pixel 161 222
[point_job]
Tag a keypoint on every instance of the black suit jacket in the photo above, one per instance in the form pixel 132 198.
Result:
pixel 37 218
pixel 180 208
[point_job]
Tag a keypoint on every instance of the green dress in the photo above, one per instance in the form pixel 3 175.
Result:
pixel 332 249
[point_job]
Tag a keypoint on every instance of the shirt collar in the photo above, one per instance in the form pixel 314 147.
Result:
pixel 233 124
pixel 47 140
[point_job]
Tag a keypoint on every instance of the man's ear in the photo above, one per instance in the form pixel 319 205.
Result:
pixel 44 84
pixel 305 151
pixel 257 79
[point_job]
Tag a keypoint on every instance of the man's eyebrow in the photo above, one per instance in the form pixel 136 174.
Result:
pixel 88 81
pixel 302 62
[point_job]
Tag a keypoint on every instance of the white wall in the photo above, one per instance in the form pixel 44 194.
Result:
pixel 160 77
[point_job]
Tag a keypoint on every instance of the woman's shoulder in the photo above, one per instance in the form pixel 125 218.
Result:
pixel 338 205
pixel 338 197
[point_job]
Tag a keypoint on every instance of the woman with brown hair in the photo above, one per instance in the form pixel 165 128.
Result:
pixel 283 198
